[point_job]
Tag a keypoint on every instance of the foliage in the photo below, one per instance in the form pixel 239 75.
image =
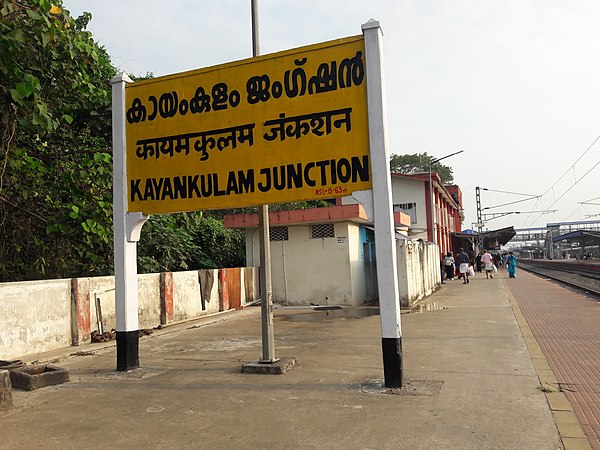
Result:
pixel 56 163
pixel 189 241
pixel 220 213
pixel 55 169
pixel 419 163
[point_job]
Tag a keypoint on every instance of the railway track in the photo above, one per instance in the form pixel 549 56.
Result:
pixel 585 276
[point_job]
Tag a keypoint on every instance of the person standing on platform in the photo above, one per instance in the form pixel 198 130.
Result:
pixel 449 266
pixel 488 263
pixel 511 265
pixel 478 262
pixel 463 261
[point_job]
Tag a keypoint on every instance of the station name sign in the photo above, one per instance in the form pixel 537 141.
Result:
pixel 284 127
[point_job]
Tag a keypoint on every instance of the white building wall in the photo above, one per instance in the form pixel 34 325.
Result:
pixel 357 265
pixel 325 271
pixel 406 190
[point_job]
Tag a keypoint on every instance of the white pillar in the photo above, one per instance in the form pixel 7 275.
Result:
pixel 126 229
pixel 385 240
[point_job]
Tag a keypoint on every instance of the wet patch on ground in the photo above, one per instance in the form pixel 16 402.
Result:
pixel 321 314
pixel 428 306
pixel 141 373
pixel 410 387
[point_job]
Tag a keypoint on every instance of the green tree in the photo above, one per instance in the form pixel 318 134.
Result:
pixel 56 163
pixel 189 241
pixel 419 163
pixel 55 166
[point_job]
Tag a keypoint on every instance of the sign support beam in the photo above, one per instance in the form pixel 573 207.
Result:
pixel 127 229
pixel 385 239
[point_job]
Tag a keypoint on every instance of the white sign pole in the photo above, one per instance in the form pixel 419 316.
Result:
pixel 126 228
pixel 385 240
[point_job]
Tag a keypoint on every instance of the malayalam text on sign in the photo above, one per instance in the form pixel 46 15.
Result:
pixel 284 127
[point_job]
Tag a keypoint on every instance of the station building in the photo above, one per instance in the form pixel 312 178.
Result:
pixel 411 195
pixel 327 255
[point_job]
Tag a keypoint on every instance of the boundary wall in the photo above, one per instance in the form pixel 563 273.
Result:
pixel 39 316
pixel 419 273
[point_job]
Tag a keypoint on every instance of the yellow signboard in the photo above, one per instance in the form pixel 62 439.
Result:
pixel 283 127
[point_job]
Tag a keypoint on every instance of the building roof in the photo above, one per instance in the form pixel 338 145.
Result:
pixel 340 213
pixel 585 237
pixel 578 222
pixel 502 236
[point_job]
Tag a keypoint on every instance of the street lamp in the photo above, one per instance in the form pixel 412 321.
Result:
pixel 431 208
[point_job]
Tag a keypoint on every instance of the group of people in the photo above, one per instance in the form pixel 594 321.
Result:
pixel 484 262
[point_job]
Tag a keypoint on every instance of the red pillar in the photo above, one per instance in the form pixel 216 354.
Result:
pixel 80 311
pixel 223 290
pixel 167 314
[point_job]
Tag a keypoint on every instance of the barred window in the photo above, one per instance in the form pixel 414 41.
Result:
pixel 409 209
pixel 322 230
pixel 278 233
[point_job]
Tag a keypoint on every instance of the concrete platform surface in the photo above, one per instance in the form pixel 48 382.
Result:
pixel 470 384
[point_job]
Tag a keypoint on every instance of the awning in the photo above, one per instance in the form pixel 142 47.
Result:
pixel 487 239
pixel 583 237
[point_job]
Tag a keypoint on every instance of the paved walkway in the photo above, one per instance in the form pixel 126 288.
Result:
pixel 471 379
pixel 566 325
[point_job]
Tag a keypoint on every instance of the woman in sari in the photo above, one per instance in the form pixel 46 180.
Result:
pixel 511 265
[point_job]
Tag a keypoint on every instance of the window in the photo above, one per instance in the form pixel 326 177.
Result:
pixel 278 233
pixel 409 209
pixel 322 230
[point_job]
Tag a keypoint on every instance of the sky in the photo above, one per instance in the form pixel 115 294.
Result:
pixel 514 84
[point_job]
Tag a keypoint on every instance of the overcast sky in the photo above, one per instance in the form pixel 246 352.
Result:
pixel 513 83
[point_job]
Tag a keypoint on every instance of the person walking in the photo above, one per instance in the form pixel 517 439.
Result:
pixel 478 262
pixel 488 263
pixel 463 260
pixel 449 266
pixel 511 265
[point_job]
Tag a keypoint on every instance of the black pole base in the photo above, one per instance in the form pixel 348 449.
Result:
pixel 392 362
pixel 128 345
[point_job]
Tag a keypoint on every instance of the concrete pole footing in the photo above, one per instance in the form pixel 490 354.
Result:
pixel 278 367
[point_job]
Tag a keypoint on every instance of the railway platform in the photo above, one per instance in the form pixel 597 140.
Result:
pixel 480 372
pixel 565 323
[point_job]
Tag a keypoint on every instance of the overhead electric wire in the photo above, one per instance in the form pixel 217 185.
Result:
pixel 510 203
pixel 587 202
pixel 508 192
pixel 573 213
pixel 563 175
pixel 574 184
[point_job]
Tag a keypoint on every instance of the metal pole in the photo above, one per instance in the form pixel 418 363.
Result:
pixel 255 29
pixel 266 304
pixel 478 204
